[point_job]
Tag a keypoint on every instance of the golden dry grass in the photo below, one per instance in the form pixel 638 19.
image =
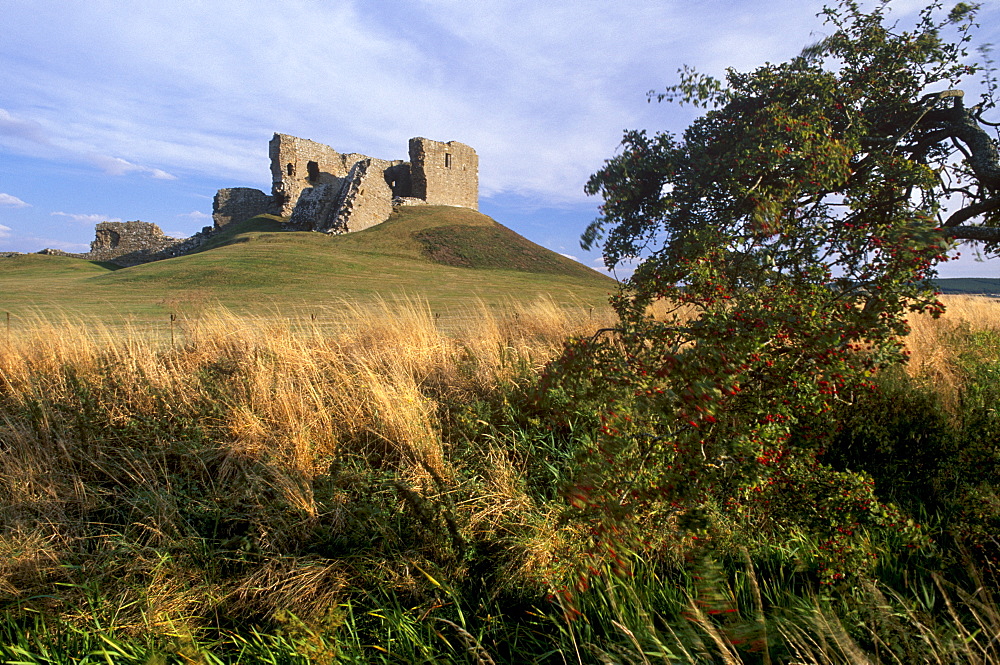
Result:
pixel 931 342
pixel 86 428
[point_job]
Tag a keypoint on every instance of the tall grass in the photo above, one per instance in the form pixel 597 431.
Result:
pixel 180 480
pixel 932 342
pixel 378 491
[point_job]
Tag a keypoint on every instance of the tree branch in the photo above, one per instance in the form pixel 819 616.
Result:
pixel 968 212
pixel 960 123
pixel 990 234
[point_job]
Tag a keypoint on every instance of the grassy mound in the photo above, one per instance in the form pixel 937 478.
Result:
pixel 492 247
pixel 242 231
pixel 255 268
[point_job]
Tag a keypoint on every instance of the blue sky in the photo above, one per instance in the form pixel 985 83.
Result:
pixel 142 111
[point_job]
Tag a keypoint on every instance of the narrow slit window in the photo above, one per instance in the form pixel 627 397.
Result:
pixel 313 171
pixel 447 160
pixel 290 169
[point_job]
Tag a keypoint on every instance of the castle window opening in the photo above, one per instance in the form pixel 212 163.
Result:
pixel 313 171
pixel 447 160
pixel 290 169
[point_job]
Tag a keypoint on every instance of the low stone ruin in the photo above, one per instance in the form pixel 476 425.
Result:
pixel 132 243
pixel 238 204
pixel 129 242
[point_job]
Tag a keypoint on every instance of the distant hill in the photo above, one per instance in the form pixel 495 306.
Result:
pixel 449 256
pixel 971 286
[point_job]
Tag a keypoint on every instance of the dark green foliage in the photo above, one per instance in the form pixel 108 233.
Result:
pixel 898 433
pixel 792 228
pixel 933 462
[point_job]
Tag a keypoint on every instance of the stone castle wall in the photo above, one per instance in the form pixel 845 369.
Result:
pixel 298 164
pixel 444 173
pixel 238 204
pixel 320 189
pixel 367 199
pixel 129 243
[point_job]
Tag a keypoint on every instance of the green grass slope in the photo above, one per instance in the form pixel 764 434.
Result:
pixel 449 256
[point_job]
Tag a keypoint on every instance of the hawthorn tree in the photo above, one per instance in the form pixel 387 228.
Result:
pixel 787 233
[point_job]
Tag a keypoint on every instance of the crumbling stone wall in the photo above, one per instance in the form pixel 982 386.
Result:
pixel 399 180
pixel 444 173
pixel 314 205
pixel 238 204
pixel 129 243
pixel 299 164
pixel 366 199
pixel 320 189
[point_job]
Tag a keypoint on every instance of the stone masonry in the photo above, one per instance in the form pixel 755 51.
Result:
pixel 320 189
pixel 131 243
pixel 317 189
pixel 444 173
pixel 238 204
pixel 114 241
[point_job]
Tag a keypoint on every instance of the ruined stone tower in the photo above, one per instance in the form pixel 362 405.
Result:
pixel 444 173
pixel 320 189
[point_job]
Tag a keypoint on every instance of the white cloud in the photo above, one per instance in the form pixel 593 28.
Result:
pixel 12 126
pixel 30 137
pixel 5 231
pixel 87 219
pixel 570 256
pixel 119 166
pixel 60 244
pixel 541 90
pixel 195 214
pixel 12 201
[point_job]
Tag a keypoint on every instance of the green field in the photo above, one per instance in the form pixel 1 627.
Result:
pixel 450 257
pixel 970 286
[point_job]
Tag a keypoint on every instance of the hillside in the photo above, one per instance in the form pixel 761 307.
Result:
pixel 449 256
pixel 970 286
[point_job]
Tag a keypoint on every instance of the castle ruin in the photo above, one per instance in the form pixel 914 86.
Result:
pixel 319 189
pixel 315 188
pixel 136 240
pixel 132 243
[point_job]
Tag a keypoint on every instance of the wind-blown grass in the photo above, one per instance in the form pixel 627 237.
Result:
pixel 385 491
